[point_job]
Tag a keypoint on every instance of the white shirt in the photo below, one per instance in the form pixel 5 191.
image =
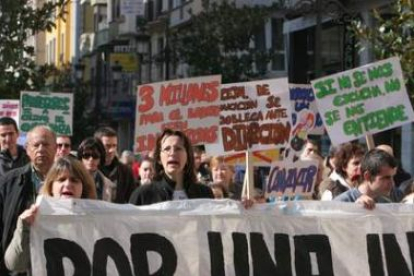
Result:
pixel 179 195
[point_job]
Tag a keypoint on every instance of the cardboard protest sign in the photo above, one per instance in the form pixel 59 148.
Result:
pixel 305 116
pixel 189 105
pixel 253 116
pixel 362 101
pixel 260 158
pixel 10 108
pixel 213 238
pixel 52 109
pixel 288 178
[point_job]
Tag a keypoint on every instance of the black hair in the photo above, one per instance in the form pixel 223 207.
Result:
pixel 92 144
pixel 374 160
pixel 6 121
pixel 105 131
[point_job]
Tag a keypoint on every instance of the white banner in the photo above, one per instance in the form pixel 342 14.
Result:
pixel 217 238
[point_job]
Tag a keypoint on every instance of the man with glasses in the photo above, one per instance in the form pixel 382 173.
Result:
pixel 20 187
pixel 12 155
pixel 64 146
pixel 113 169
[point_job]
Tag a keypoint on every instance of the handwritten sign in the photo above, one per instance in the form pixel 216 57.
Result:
pixel 52 109
pixel 253 116
pixel 288 178
pixel 366 100
pixel 10 108
pixel 189 105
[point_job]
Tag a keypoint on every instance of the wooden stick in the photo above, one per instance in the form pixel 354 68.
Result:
pixel 248 183
pixel 370 141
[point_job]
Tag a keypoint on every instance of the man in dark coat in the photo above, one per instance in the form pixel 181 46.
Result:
pixel 117 172
pixel 19 187
pixel 12 155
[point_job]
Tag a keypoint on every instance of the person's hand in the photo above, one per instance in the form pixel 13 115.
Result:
pixel 247 203
pixel 366 201
pixel 28 216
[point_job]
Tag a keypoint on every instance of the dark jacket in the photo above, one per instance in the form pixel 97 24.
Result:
pixel 400 176
pixel 336 188
pixel 160 191
pixel 121 175
pixel 17 193
pixel 7 163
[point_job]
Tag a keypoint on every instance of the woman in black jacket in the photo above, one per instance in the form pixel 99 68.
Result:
pixel 175 177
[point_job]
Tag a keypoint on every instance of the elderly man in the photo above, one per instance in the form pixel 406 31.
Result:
pixel 19 188
pixel 401 175
pixel 12 155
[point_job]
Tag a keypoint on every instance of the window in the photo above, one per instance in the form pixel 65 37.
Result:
pixel 260 44
pixel 278 44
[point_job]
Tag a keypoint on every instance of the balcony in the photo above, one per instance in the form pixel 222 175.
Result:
pixel 113 30
pixel 87 41
pixel 101 38
pixel 98 2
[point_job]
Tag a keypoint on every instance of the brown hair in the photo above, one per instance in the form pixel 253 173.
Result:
pixel 76 169
pixel 189 171
pixel 345 153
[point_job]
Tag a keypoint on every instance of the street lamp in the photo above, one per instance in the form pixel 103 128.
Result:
pixel 116 71
pixel 116 74
pixel 142 49
pixel 79 67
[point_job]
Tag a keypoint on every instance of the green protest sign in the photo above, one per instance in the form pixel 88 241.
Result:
pixel 362 101
pixel 52 109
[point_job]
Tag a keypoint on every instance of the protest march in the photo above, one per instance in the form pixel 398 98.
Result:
pixel 223 179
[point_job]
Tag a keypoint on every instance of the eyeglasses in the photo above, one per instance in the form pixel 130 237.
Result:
pixel 63 145
pixel 89 155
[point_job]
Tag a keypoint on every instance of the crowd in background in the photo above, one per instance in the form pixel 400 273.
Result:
pixel 176 170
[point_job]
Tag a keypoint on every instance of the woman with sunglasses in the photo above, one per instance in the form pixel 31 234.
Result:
pixel 174 177
pixel 65 180
pixel 91 153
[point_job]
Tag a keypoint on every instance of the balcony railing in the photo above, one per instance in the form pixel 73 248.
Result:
pixel 87 41
pixel 101 38
pixel 98 2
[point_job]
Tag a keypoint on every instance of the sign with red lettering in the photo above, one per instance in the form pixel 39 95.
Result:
pixel 253 116
pixel 287 178
pixel 190 105
pixel 10 108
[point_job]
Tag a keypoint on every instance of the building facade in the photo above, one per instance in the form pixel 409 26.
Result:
pixel 309 37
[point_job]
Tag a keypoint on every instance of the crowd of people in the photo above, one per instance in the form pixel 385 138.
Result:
pixel 176 170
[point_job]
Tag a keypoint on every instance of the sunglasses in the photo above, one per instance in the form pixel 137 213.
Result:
pixel 89 155
pixel 63 145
